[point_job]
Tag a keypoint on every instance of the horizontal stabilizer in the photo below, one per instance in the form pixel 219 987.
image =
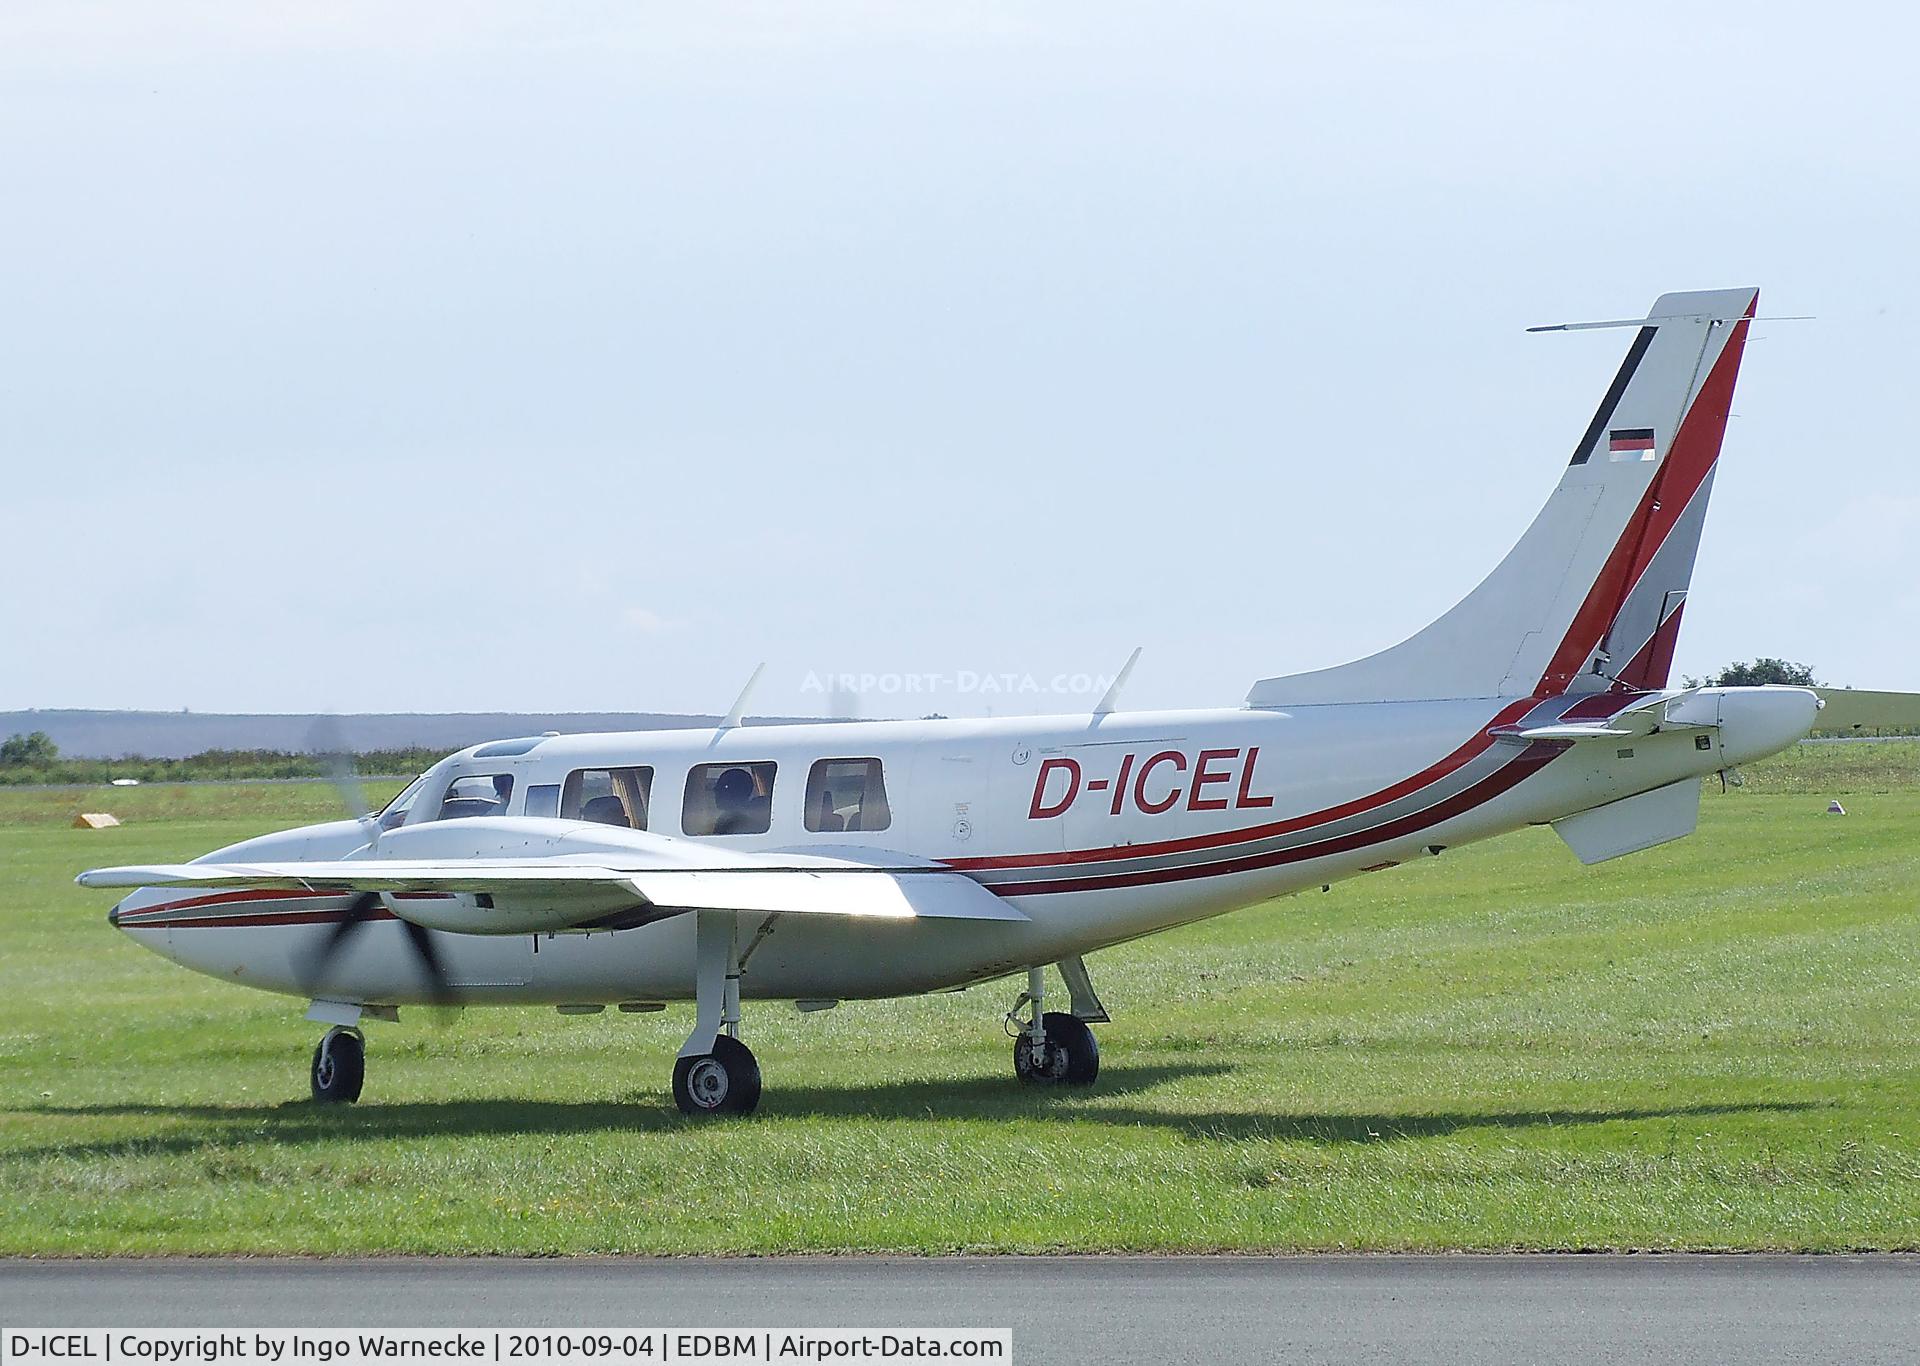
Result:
pixel 1672 711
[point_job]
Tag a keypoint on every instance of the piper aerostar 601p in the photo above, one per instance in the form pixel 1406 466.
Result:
pixel 819 863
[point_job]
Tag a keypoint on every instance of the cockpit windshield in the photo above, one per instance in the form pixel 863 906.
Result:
pixel 394 813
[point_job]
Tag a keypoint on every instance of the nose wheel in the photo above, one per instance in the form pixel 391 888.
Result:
pixel 339 1067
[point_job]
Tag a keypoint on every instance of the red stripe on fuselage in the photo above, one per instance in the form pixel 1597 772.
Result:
pixel 208 922
pixel 1530 760
pixel 248 894
pixel 227 898
pixel 1358 806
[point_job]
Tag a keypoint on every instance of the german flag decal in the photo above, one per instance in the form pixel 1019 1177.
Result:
pixel 1630 443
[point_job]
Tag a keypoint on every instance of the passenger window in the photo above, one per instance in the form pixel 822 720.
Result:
pixel 543 799
pixel 608 796
pixel 728 799
pixel 477 795
pixel 847 794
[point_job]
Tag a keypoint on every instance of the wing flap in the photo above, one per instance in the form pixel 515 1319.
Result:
pixel 885 895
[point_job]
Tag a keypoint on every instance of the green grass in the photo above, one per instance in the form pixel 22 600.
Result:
pixel 1709 1045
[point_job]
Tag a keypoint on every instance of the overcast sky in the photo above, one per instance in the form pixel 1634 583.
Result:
pixel 376 357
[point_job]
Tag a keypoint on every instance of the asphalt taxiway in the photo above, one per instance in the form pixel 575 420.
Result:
pixel 1360 1309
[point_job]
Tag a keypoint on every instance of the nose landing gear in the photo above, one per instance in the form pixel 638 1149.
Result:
pixel 339 1067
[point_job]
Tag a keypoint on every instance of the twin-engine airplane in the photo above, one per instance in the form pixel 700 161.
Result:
pixel 820 863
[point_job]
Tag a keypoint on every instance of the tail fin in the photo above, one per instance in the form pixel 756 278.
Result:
pixel 1591 596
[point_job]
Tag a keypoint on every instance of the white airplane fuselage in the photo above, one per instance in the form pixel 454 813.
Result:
pixel 1098 828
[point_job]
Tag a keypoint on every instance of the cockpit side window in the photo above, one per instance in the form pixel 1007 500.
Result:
pixel 608 796
pixel 728 799
pixel 476 794
pixel 394 814
pixel 847 794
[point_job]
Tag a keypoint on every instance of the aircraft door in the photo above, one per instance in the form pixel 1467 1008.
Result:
pixel 1018 766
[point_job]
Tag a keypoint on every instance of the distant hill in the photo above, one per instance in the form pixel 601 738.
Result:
pixel 181 734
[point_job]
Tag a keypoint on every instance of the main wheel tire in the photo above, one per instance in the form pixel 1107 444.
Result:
pixel 1072 1054
pixel 723 1082
pixel 339 1067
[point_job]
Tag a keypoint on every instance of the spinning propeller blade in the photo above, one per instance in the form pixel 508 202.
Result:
pixel 367 908
pixel 327 743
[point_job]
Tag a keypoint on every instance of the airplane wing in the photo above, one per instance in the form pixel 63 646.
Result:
pixel 518 896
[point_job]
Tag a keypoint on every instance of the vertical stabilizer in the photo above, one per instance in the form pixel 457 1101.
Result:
pixel 1591 597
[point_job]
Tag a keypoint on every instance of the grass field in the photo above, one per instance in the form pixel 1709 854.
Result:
pixel 1709 1045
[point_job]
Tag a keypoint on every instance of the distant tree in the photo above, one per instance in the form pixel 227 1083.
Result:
pixel 37 748
pixel 1763 670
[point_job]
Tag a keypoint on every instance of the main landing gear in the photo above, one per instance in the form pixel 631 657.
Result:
pixel 725 1081
pixel 339 1067
pixel 715 1073
pixel 1051 1047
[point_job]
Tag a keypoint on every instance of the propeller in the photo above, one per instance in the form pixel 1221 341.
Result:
pixel 364 910
pixel 329 745
pixel 325 740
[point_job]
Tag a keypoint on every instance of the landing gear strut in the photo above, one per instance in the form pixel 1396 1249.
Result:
pixel 1050 1047
pixel 715 1073
pixel 339 1067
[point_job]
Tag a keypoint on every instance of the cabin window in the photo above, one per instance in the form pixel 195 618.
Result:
pixel 728 799
pixel 608 796
pixel 485 794
pixel 543 799
pixel 847 794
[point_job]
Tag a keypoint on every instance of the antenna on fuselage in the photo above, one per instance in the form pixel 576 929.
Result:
pixel 1112 698
pixel 739 710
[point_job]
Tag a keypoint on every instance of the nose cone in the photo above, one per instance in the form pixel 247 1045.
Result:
pixel 1756 722
pixel 113 916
